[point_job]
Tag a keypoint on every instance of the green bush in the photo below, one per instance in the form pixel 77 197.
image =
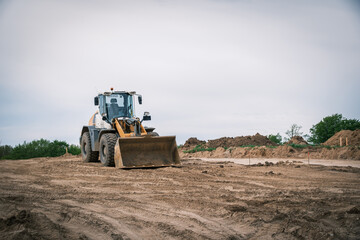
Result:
pixel 199 148
pixel 248 146
pixel 252 146
pixel 74 149
pixel 41 148
pixel 275 138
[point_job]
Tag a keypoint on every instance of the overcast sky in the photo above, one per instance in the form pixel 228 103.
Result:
pixel 205 68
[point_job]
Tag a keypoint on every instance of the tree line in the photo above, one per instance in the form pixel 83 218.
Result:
pixel 38 148
pixel 320 132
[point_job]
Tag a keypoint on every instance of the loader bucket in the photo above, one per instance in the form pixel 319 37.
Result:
pixel 139 152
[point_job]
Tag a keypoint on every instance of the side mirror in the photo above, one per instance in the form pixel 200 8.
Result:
pixel 96 101
pixel 140 99
pixel 146 116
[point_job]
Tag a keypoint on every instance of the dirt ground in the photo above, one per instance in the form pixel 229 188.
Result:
pixel 352 138
pixel 285 151
pixel 64 198
pixel 261 147
pixel 227 142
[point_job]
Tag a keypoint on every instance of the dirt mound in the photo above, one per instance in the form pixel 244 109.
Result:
pixel 257 139
pixel 338 153
pixel 297 140
pixel 193 141
pixel 69 155
pixel 285 151
pixel 352 136
pixel 260 146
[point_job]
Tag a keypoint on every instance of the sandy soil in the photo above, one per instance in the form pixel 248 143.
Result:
pixel 252 161
pixel 64 198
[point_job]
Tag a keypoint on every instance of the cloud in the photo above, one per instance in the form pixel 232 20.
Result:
pixel 205 68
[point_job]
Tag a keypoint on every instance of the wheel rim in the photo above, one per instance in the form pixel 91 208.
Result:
pixel 84 148
pixel 103 153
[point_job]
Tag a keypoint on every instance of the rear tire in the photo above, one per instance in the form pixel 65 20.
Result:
pixel 86 153
pixel 107 149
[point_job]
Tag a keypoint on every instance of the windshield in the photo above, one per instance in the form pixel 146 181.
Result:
pixel 119 105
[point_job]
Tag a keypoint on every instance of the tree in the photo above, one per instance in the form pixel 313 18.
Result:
pixel 275 138
pixel 5 150
pixel 293 131
pixel 74 149
pixel 330 125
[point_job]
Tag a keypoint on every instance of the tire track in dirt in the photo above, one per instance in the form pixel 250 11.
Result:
pixel 76 200
pixel 154 215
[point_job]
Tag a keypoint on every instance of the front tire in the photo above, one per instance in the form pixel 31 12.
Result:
pixel 86 153
pixel 107 149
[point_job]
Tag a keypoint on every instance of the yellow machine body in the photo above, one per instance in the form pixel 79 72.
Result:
pixel 120 139
pixel 133 151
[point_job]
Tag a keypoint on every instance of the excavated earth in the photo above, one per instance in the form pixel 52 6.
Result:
pixel 65 198
pixel 227 142
pixel 260 146
pixel 285 151
pixel 353 138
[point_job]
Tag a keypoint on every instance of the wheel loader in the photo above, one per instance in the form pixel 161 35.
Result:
pixel 118 136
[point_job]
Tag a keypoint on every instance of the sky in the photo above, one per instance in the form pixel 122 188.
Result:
pixel 205 69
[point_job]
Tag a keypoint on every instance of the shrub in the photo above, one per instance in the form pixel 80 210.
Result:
pixel 199 148
pixel 275 138
pixel 41 148
pixel 330 125
pixel 74 149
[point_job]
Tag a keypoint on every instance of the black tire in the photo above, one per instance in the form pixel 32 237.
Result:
pixel 154 134
pixel 107 149
pixel 86 153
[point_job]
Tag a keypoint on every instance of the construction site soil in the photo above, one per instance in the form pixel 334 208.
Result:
pixel 353 138
pixel 257 139
pixel 65 198
pixel 297 140
pixel 285 151
pixel 259 146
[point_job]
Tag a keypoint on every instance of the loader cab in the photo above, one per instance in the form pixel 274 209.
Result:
pixel 115 105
